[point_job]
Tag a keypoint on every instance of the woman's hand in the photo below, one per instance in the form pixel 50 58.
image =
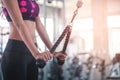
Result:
pixel 60 55
pixel 46 55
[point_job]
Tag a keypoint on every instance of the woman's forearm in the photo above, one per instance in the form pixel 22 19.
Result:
pixel 43 33
pixel 28 40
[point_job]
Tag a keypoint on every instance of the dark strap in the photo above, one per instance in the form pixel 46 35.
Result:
pixel 66 41
pixel 67 31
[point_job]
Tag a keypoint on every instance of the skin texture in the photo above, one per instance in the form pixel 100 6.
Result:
pixel 24 30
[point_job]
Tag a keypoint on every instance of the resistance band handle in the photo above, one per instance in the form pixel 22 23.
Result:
pixel 40 63
pixel 60 62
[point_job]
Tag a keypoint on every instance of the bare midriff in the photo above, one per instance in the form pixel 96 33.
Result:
pixel 14 34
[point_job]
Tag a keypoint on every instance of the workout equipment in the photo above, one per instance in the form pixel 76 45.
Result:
pixel 115 70
pixel 67 32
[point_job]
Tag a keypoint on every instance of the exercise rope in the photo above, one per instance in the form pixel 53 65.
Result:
pixel 66 32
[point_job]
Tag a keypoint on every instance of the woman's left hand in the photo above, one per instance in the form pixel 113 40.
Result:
pixel 60 55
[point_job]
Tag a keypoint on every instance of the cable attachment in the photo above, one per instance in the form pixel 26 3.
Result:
pixel 79 4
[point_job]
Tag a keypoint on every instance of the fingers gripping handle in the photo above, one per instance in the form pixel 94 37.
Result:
pixel 41 63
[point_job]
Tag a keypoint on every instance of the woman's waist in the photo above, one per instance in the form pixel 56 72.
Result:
pixel 15 37
pixel 15 34
pixel 18 37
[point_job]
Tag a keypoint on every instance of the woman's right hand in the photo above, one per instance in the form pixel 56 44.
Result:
pixel 46 55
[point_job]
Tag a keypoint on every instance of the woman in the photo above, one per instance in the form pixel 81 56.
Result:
pixel 20 55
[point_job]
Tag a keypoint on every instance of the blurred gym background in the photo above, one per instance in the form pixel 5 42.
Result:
pixel 94 46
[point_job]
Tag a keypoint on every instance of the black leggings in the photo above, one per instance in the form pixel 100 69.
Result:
pixel 18 63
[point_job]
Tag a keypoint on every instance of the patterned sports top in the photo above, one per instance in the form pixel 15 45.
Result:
pixel 28 8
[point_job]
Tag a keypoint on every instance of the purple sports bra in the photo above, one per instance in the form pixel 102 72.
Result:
pixel 28 8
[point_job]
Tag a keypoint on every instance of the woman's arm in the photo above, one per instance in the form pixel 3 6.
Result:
pixel 42 32
pixel 15 14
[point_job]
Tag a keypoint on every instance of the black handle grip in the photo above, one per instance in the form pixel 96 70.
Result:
pixel 60 62
pixel 40 63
